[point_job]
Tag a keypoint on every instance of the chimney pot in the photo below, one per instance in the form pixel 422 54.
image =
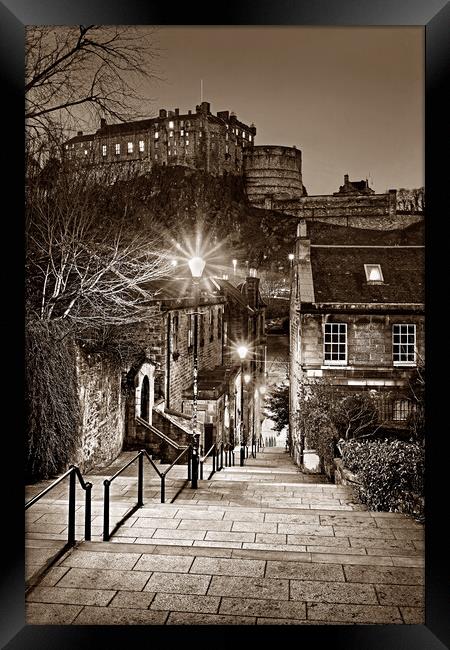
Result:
pixel 345 179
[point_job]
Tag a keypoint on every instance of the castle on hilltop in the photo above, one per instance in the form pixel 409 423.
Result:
pixel 221 144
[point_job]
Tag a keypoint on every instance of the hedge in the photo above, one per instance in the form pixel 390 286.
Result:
pixel 390 474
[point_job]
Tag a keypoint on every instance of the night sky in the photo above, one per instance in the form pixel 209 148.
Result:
pixel 350 98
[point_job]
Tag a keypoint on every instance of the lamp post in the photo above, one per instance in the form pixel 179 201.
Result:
pixel 196 266
pixel 234 267
pixel 242 352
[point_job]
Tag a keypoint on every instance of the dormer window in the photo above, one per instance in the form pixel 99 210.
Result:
pixel 373 273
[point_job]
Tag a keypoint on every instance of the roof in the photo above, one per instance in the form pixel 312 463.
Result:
pixel 339 275
pixel 324 233
pixel 180 289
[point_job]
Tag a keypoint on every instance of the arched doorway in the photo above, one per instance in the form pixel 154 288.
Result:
pixel 145 398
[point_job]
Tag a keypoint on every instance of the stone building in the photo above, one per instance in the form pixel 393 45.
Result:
pixel 228 317
pixel 199 140
pixel 357 314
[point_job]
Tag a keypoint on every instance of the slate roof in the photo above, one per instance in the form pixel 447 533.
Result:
pixel 323 233
pixel 339 274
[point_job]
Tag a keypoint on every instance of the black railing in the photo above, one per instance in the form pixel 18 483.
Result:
pixel 229 456
pixel 72 472
pixel 140 477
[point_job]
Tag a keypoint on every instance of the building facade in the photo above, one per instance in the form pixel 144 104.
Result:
pixel 196 139
pixel 357 317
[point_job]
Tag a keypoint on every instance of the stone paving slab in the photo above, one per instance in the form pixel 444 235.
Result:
pixel 186 603
pixel 332 592
pixel 178 583
pixel 99 597
pixel 265 588
pixel 264 608
pixel 353 613
pixel 119 616
pixel 108 579
pixel 51 614
pixel 305 571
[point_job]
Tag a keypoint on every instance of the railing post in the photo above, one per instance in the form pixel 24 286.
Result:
pixel 163 488
pixel 87 513
pixel 214 460
pixel 232 452
pixel 194 483
pixel 189 463
pixel 140 501
pixel 201 470
pixel 106 484
pixel 71 522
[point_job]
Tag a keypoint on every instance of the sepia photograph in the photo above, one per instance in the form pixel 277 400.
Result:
pixel 225 328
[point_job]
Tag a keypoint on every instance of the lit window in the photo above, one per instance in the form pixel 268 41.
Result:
pixel 171 134
pixel 182 132
pixel 226 136
pixel 187 134
pixel 156 135
pixel 249 138
pixel 200 134
pixel 187 143
pixel 171 125
pixel 244 135
pixel 402 409
pixel 141 145
pixel 156 145
pixel 169 152
pixel 226 148
pixel 335 343
pixel 188 124
pixel 67 146
pixel 117 148
pixel 85 152
pixel 373 273
pixel 404 345
pixel 156 156
pixel 130 147
pixel 104 150
pixel 226 126
pixel 181 122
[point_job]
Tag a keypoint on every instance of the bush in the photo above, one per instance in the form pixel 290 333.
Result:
pixel 53 409
pixel 391 474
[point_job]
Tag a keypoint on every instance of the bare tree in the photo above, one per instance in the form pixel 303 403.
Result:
pixel 76 73
pixel 85 264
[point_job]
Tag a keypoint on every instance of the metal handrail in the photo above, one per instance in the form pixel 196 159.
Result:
pixel 72 472
pixel 159 433
pixel 202 460
pixel 140 497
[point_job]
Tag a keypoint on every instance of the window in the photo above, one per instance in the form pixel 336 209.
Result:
pixel 211 325
pixel 85 152
pixel 171 124
pixel 174 334
pixel 226 136
pixel 187 143
pixel 373 273
pixel 130 147
pixel 156 135
pixel 219 324
pixel 156 156
pixel 335 343
pixel 141 145
pixel 402 408
pixel 182 132
pixel 244 135
pixel 249 138
pixel 181 123
pixel 117 148
pixel 104 150
pixel 404 345
pixel 190 331
pixel 201 327
pixel 156 145
pixel 226 148
pixel 171 134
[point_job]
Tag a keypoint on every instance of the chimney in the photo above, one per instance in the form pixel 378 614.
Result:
pixel 177 111
pixel 205 107
pixel 102 123
pixel 189 112
pixel 162 112
pixel 252 289
pixel 346 179
pixel 171 114
pixel 79 132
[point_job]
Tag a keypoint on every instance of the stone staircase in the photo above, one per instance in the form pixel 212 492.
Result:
pixel 260 544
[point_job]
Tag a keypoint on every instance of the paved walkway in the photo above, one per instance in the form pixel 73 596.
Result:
pixel 263 544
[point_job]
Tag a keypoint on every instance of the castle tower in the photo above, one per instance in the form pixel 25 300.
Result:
pixel 273 172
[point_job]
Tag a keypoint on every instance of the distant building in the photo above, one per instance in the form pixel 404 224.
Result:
pixel 354 187
pixel 199 140
pixel 357 314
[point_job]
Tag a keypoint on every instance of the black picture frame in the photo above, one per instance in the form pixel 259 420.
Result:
pixel 14 15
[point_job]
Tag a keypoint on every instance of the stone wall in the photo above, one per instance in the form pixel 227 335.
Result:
pixel 103 410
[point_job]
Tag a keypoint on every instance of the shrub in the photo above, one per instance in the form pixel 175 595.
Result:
pixel 391 474
pixel 53 409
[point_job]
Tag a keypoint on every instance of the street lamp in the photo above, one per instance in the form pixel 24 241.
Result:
pixel 234 267
pixel 196 266
pixel 291 258
pixel 242 352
